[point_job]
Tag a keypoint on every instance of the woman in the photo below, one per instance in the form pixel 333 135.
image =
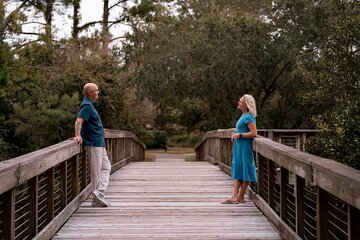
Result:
pixel 243 168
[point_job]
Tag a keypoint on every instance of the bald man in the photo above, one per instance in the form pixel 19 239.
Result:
pixel 90 132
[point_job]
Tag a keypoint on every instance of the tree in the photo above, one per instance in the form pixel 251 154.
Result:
pixel 10 22
pixel 5 75
pixel 193 114
pixel 212 52
pixel 338 85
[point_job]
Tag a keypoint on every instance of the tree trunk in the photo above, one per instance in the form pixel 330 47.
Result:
pixel 105 30
pixel 75 31
pixel 49 7
pixel 2 19
pixel 75 28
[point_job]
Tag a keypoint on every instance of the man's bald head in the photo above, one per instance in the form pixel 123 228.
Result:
pixel 89 87
pixel 91 90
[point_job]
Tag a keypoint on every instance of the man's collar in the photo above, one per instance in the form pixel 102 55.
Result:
pixel 89 100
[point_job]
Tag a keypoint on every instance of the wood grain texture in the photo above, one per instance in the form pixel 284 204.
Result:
pixel 168 200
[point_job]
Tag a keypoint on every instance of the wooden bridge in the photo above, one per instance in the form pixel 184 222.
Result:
pixel 45 194
pixel 168 200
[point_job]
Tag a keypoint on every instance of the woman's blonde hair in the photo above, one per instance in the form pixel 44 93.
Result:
pixel 250 104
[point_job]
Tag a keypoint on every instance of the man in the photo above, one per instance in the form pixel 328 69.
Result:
pixel 89 131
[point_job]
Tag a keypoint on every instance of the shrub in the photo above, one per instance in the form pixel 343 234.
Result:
pixel 183 140
pixel 339 135
pixel 155 139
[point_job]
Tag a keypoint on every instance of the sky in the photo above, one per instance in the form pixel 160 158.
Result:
pixel 89 12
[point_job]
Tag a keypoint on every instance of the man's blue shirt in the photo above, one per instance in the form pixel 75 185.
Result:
pixel 92 130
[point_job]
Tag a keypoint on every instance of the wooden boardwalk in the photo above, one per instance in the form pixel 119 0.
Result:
pixel 168 199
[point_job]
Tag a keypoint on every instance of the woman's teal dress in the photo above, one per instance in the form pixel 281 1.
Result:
pixel 243 164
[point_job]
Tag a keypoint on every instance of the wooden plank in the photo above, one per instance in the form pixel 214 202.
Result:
pixel 168 200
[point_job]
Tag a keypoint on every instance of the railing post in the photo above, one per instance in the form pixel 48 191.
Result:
pixel 271 180
pixel 354 216
pixel 258 162
pixel 217 150
pixel 75 176
pixel 284 178
pixel 263 179
pixel 303 142
pixel 84 168
pixel 63 173
pixel 207 149
pixel 9 214
pixel 270 134
pixel 133 152
pixel 300 193
pixel 33 206
pixel 322 216
pixel 50 195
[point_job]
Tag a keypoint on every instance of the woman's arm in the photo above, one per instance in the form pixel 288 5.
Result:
pixel 250 134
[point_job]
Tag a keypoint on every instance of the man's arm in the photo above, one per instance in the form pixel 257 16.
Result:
pixel 78 124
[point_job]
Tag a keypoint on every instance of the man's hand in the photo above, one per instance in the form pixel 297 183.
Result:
pixel 78 139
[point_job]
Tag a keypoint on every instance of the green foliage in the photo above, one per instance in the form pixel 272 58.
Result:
pixel 4 147
pixel 155 139
pixel 339 136
pixel 41 84
pixel 148 10
pixel 46 123
pixel 217 54
pixel 43 91
pixel 183 140
pixel 5 108
pixel 4 64
pixel 336 89
pixel 193 114
pixel 191 61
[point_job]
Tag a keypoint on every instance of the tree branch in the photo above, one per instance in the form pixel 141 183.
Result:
pixel 112 23
pixel 86 25
pixel 117 4
pixel 30 33
pixel 114 39
pixel 7 20
pixel 40 23
pixel 354 52
pixel 19 46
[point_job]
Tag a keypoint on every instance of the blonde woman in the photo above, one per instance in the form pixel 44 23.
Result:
pixel 243 169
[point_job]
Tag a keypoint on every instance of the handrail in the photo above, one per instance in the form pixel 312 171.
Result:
pixel 305 196
pixel 42 189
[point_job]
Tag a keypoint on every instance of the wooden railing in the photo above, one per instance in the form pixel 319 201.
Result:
pixel 295 138
pixel 305 196
pixel 39 191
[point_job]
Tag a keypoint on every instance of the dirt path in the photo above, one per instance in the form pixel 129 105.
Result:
pixel 165 157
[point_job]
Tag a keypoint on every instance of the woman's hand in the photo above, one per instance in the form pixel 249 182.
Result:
pixel 235 136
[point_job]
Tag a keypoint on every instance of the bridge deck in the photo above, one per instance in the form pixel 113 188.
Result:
pixel 168 199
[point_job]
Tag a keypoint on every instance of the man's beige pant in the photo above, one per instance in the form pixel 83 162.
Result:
pixel 100 167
